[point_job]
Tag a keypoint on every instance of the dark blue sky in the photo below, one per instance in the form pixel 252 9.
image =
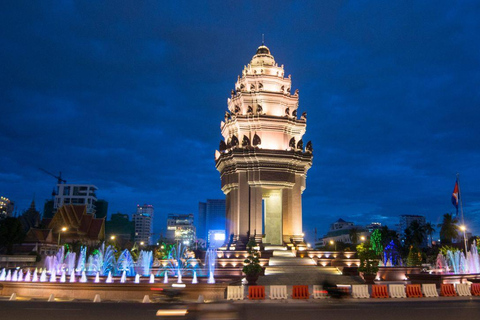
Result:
pixel 129 96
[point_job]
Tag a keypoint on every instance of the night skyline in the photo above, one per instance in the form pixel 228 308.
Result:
pixel 129 98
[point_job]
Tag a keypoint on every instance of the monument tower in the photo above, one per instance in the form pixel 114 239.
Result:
pixel 262 160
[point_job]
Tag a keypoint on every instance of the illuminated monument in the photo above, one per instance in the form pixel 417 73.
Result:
pixel 262 160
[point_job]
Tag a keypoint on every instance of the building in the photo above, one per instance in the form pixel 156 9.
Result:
pixel 79 224
pixel 101 209
pixel 76 194
pixel 262 159
pixel 30 218
pixel 373 226
pixel 6 207
pixel 211 216
pixel 143 224
pixel 180 229
pixel 340 232
pixel 121 228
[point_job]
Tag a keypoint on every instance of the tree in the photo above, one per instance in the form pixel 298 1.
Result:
pixel 353 233
pixel 448 229
pixel 414 234
pixel 11 232
pixel 414 257
pixel 368 258
pixel 429 230
pixel 376 242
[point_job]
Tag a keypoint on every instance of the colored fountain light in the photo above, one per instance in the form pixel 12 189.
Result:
pixel 194 280
pixel 124 277
pixel 83 278
pixel 8 277
pixel 35 276
pixel 15 275
pixel 3 275
pixel 28 276
pixel 211 260
pixel 72 276
pixel 137 278
pixel 152 278
pixel 43 276
pixel 53 276
pixel 63 277
pixel 459 263
pixel 97 278
pixel 109 278
pixel 165 278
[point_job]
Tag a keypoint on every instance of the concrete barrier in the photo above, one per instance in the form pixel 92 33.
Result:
pixel 278 292
pixel 235 293
pixel 300 292
pixel 463 290
pixel 360 291
pixel 319 292
pixel 397 291
pixel 429 290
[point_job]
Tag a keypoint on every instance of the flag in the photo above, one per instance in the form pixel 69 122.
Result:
pixel 455 195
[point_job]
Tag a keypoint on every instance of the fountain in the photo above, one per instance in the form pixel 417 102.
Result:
pixel 124 277
pixel 20 275
pixel 109 278
pixel 152 278
pixel 211 261
pixel 72 276
pixel 35 276
pixel 3 275
pixel 97 278
pixel 180 263
pixel 53 276
pixel 194 280
pixel 63 277
pixel 137 278
pixel 144 263
pixel 81 259
pixel 70 261
pixel 15 275
pixel 83 278
pixel 43 276
pixel 456 262
pixel 28 276
pixel 8 277
pixel 125 263
pixel 165 278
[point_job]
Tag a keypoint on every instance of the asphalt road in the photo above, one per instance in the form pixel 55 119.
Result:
pixel 332 309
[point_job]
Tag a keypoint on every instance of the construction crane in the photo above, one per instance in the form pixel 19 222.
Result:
pixel 59 177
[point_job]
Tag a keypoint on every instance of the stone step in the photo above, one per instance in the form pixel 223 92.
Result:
pixel 311 270
pixel 290 261
pixel 283 253
pixel 274 247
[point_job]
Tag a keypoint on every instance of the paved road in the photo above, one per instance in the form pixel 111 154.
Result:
pixel 338 310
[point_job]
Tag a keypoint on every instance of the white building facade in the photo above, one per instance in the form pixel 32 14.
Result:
pixel 76 194
pixel 143 222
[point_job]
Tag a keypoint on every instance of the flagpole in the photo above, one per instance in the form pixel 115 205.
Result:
pixel 461 212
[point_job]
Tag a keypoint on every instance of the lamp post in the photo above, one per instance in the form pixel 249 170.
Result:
pixel 60 232
pixel 333 243
pixel 362 238
pixel 463 228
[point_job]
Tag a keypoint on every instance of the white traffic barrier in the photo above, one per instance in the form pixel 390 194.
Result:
pixel 397 291
pixel 278 292
pixel 235 293
pixel 51 298
pixel 360 291
pixel 429 290
pixel 319 292
pixel 97 298
pixel 463 290
pixel 13 297
pixel 146 299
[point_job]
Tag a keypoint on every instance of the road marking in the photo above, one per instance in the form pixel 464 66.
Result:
pixel 52 309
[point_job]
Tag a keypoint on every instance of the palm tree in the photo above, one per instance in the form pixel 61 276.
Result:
pixel 448 229
pixel 415 234
pixel 429 229
pixel 354 235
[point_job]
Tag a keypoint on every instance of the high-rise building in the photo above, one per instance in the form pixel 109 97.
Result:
pixel 211 216
pixel 143 223
pixel 6 207
pixel 180 228
pixel 76 194
pixel 262 159
pixel 405 222
pixel 101 208
pixel 120 228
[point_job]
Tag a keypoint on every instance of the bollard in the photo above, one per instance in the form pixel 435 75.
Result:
pixel 146 299
pixel 97 298
pixel 13 297
pixel 51 298
pixel 200 299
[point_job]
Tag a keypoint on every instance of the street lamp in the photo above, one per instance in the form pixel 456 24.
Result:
pixel 333 243
pixel 142 243
pixel 362 238
pixel 60 232
pixel 463 228
pixel 112 237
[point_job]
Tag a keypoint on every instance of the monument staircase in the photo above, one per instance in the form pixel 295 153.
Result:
pixel 285 268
